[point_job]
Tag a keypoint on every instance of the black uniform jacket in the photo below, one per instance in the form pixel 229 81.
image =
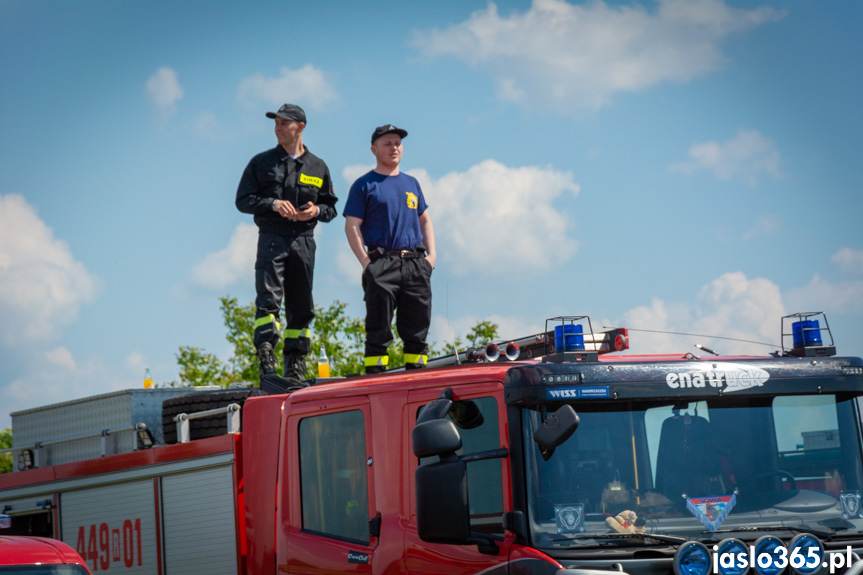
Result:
pixel 273 175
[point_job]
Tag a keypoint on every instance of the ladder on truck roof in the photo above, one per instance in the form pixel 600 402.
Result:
pixel 565 341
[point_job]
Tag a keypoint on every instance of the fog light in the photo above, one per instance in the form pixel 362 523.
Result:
pixel 805 554
pixel 692 558
pixel 769 555
pixel 732 557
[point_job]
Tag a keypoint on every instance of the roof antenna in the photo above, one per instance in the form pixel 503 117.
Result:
pixel 457 360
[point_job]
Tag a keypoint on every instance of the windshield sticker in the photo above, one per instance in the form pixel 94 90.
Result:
pixel 570 518
pixel 851 508
pixel 727 376
pixel 576 392
pixel 711 511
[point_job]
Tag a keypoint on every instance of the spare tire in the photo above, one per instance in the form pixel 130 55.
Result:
pixel 209 426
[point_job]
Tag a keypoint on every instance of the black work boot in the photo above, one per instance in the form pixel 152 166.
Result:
pixel 295 367
pixel 373 369
pixel 266 360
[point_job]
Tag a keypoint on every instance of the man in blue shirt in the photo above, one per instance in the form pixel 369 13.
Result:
pixel 390 232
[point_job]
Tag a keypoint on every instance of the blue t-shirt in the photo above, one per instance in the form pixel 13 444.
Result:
pixel 390 207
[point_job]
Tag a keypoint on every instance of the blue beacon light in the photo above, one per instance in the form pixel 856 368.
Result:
pixel 806 333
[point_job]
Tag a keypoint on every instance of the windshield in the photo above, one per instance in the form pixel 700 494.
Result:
pixel 698 470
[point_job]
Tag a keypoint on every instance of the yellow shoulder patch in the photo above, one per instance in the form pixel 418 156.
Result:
pixel 316 182
pixel 412 200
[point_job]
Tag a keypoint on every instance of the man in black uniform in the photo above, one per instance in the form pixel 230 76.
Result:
pixel 288 189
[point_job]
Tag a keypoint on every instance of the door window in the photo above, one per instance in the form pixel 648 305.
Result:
pixel 334 476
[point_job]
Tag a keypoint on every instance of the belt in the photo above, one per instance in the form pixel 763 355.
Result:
pixel 403 254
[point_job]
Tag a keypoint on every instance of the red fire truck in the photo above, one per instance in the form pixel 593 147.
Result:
pixel 560 458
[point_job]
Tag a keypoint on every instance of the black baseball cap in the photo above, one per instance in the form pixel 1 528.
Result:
pixel 289 112
pixel 387 129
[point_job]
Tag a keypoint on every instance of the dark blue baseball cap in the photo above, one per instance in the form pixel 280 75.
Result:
pixel 289 112
pixel 387 129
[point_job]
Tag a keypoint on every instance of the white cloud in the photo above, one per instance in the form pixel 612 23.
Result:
pixel 849 260
pixel 510 328
pixel 730 315
pixel 746 156
pixel 348 266
pixel 308 86
pixel 476 212
pixel 58 380
pixel 354 171
pixel 61 357
pixel 823 295
pixel 731 306
pixel 164 90
pixel 573 56
pixel 42 286
pixel 225 267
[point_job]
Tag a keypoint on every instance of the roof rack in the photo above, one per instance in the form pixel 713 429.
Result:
pixel 567 341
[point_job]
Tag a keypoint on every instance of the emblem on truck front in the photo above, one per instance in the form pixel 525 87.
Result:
pixel 728 376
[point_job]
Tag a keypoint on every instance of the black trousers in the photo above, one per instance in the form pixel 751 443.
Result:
pixel 284 267
pixel 392 283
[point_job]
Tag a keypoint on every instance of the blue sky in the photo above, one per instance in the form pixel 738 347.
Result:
pixel 681 166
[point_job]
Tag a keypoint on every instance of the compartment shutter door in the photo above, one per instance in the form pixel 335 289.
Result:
pixel 200 528
pixel 113 527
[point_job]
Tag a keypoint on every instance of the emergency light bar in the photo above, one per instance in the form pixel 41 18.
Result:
pixel 807 335
pixel 571 342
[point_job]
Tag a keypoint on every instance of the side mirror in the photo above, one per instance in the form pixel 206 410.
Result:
pixel 443 510
pixel 436 409
pixel 435 437
pixel 443 514
pixel 555 430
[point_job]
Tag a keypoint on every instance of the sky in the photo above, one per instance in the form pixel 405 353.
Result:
pixel 667 166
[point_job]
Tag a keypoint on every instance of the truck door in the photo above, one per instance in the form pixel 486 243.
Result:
pixel 328 473
pixel 489 488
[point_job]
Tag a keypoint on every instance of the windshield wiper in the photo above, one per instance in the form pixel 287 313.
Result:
pixel 643 536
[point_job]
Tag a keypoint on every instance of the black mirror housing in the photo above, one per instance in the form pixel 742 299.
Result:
pixel 555 430
pixel 435 437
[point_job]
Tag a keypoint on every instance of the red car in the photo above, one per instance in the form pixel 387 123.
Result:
pixel 39 556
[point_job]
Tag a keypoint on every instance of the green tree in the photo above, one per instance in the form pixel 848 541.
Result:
pixel 5 443
pixel 200 368
pixel 483 332
pixel 341 335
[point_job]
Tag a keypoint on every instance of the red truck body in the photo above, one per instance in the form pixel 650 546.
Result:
pixel 479 468
pixel 264 482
